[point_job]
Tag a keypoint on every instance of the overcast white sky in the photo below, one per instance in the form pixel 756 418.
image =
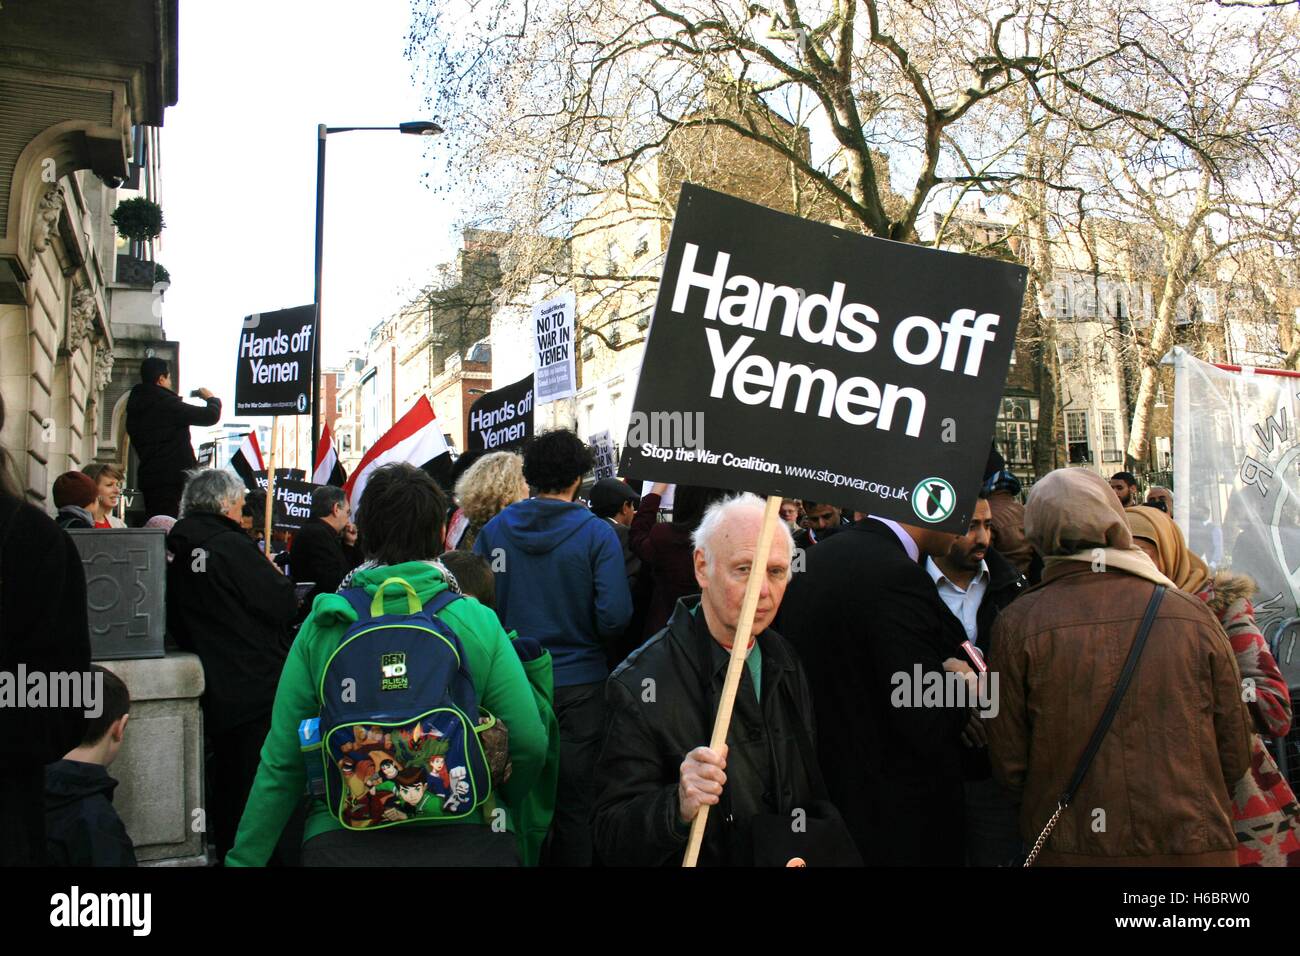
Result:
pixel 238 175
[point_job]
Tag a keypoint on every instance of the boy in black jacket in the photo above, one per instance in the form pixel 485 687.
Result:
pixel 81 826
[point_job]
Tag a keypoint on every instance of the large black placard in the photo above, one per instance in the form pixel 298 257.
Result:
pixel 293 494
pixel 790 357
pixel 502 420
pixel 273 367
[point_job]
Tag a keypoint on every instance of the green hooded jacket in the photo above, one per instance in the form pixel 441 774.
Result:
pixel 532 813
pixel 495 670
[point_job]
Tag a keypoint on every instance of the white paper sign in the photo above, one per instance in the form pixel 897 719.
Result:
pixel 602 447
pixel 665 500
pixel 553 342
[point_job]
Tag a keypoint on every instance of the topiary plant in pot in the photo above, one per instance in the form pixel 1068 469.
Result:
pixel 139 219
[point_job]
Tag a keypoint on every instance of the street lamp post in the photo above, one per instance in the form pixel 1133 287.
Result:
pixel 413 128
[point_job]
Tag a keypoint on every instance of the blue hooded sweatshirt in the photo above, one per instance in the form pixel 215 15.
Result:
pixel 561 581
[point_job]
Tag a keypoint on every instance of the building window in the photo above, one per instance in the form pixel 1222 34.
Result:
pixel 1078 447
pixel 1205 305
pixel 1017 427
pixel 1085 302
pixel 1061 301
pixel 1164 455
pixel 642 245
pixel 1161 402
pixel 1110 450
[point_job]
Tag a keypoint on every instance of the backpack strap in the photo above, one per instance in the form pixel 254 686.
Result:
pixel 438 603
pixel 360 601
pixel 363 602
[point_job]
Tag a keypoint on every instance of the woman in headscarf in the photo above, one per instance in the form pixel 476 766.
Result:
pixel 1058 651
pixel 1264 809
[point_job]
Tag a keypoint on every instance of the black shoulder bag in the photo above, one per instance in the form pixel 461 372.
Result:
pixel 1103 725
pixel 820 838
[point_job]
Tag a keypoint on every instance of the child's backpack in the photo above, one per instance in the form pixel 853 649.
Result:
pixel 398 730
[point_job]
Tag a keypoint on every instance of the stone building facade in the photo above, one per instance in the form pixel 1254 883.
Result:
pixel 79 108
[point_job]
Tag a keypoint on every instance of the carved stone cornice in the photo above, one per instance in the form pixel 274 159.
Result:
pixel 47 218
pixel 103 367
pixel 81 318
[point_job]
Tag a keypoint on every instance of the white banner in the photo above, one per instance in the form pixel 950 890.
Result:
pixel 553 340
pixel 1237 485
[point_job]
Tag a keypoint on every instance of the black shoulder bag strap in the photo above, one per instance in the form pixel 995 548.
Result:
pixel 1103 725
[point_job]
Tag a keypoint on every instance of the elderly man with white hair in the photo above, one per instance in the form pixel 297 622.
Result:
pixel 229 605
pixel 655 769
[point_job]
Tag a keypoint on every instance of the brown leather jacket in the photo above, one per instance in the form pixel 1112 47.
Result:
pixel 1009 531
pixel 1179 743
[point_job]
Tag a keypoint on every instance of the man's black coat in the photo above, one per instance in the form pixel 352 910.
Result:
pixel 229 605
pixel 318 555
pixel 660 704
pixel 861 613
pixel 158 423
pixel 43 628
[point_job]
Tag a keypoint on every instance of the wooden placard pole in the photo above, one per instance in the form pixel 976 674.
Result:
pixel 736 665
pixel 270 483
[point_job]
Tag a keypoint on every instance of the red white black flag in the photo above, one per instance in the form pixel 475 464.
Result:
pixel 416 439
pixel 247 461
pixel 329 471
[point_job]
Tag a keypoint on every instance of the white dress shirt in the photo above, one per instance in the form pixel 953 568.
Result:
pixel 965 604
pixel 904 538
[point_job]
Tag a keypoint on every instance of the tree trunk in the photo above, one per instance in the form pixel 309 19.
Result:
pixel 1049 387
pixel 1161 338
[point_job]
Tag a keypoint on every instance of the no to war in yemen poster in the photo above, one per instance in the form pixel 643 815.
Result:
pixel 790 357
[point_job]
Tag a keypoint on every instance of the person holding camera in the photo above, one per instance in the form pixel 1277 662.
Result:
pixel 158 422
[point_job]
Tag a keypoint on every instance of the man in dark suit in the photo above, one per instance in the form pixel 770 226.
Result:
pixel 321 552
pixel 867 623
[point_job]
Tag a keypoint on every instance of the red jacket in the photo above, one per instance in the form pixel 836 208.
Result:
pixel 666 549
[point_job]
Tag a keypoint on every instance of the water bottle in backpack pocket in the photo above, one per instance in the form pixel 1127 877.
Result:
pixel 398 733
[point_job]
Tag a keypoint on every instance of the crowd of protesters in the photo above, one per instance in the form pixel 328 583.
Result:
pixel 595 636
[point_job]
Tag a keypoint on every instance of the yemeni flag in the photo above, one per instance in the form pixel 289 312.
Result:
pixel 328 469
pixel 247 461
pixel 416 439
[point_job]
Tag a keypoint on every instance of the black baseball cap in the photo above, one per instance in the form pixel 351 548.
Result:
pixel 608 495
